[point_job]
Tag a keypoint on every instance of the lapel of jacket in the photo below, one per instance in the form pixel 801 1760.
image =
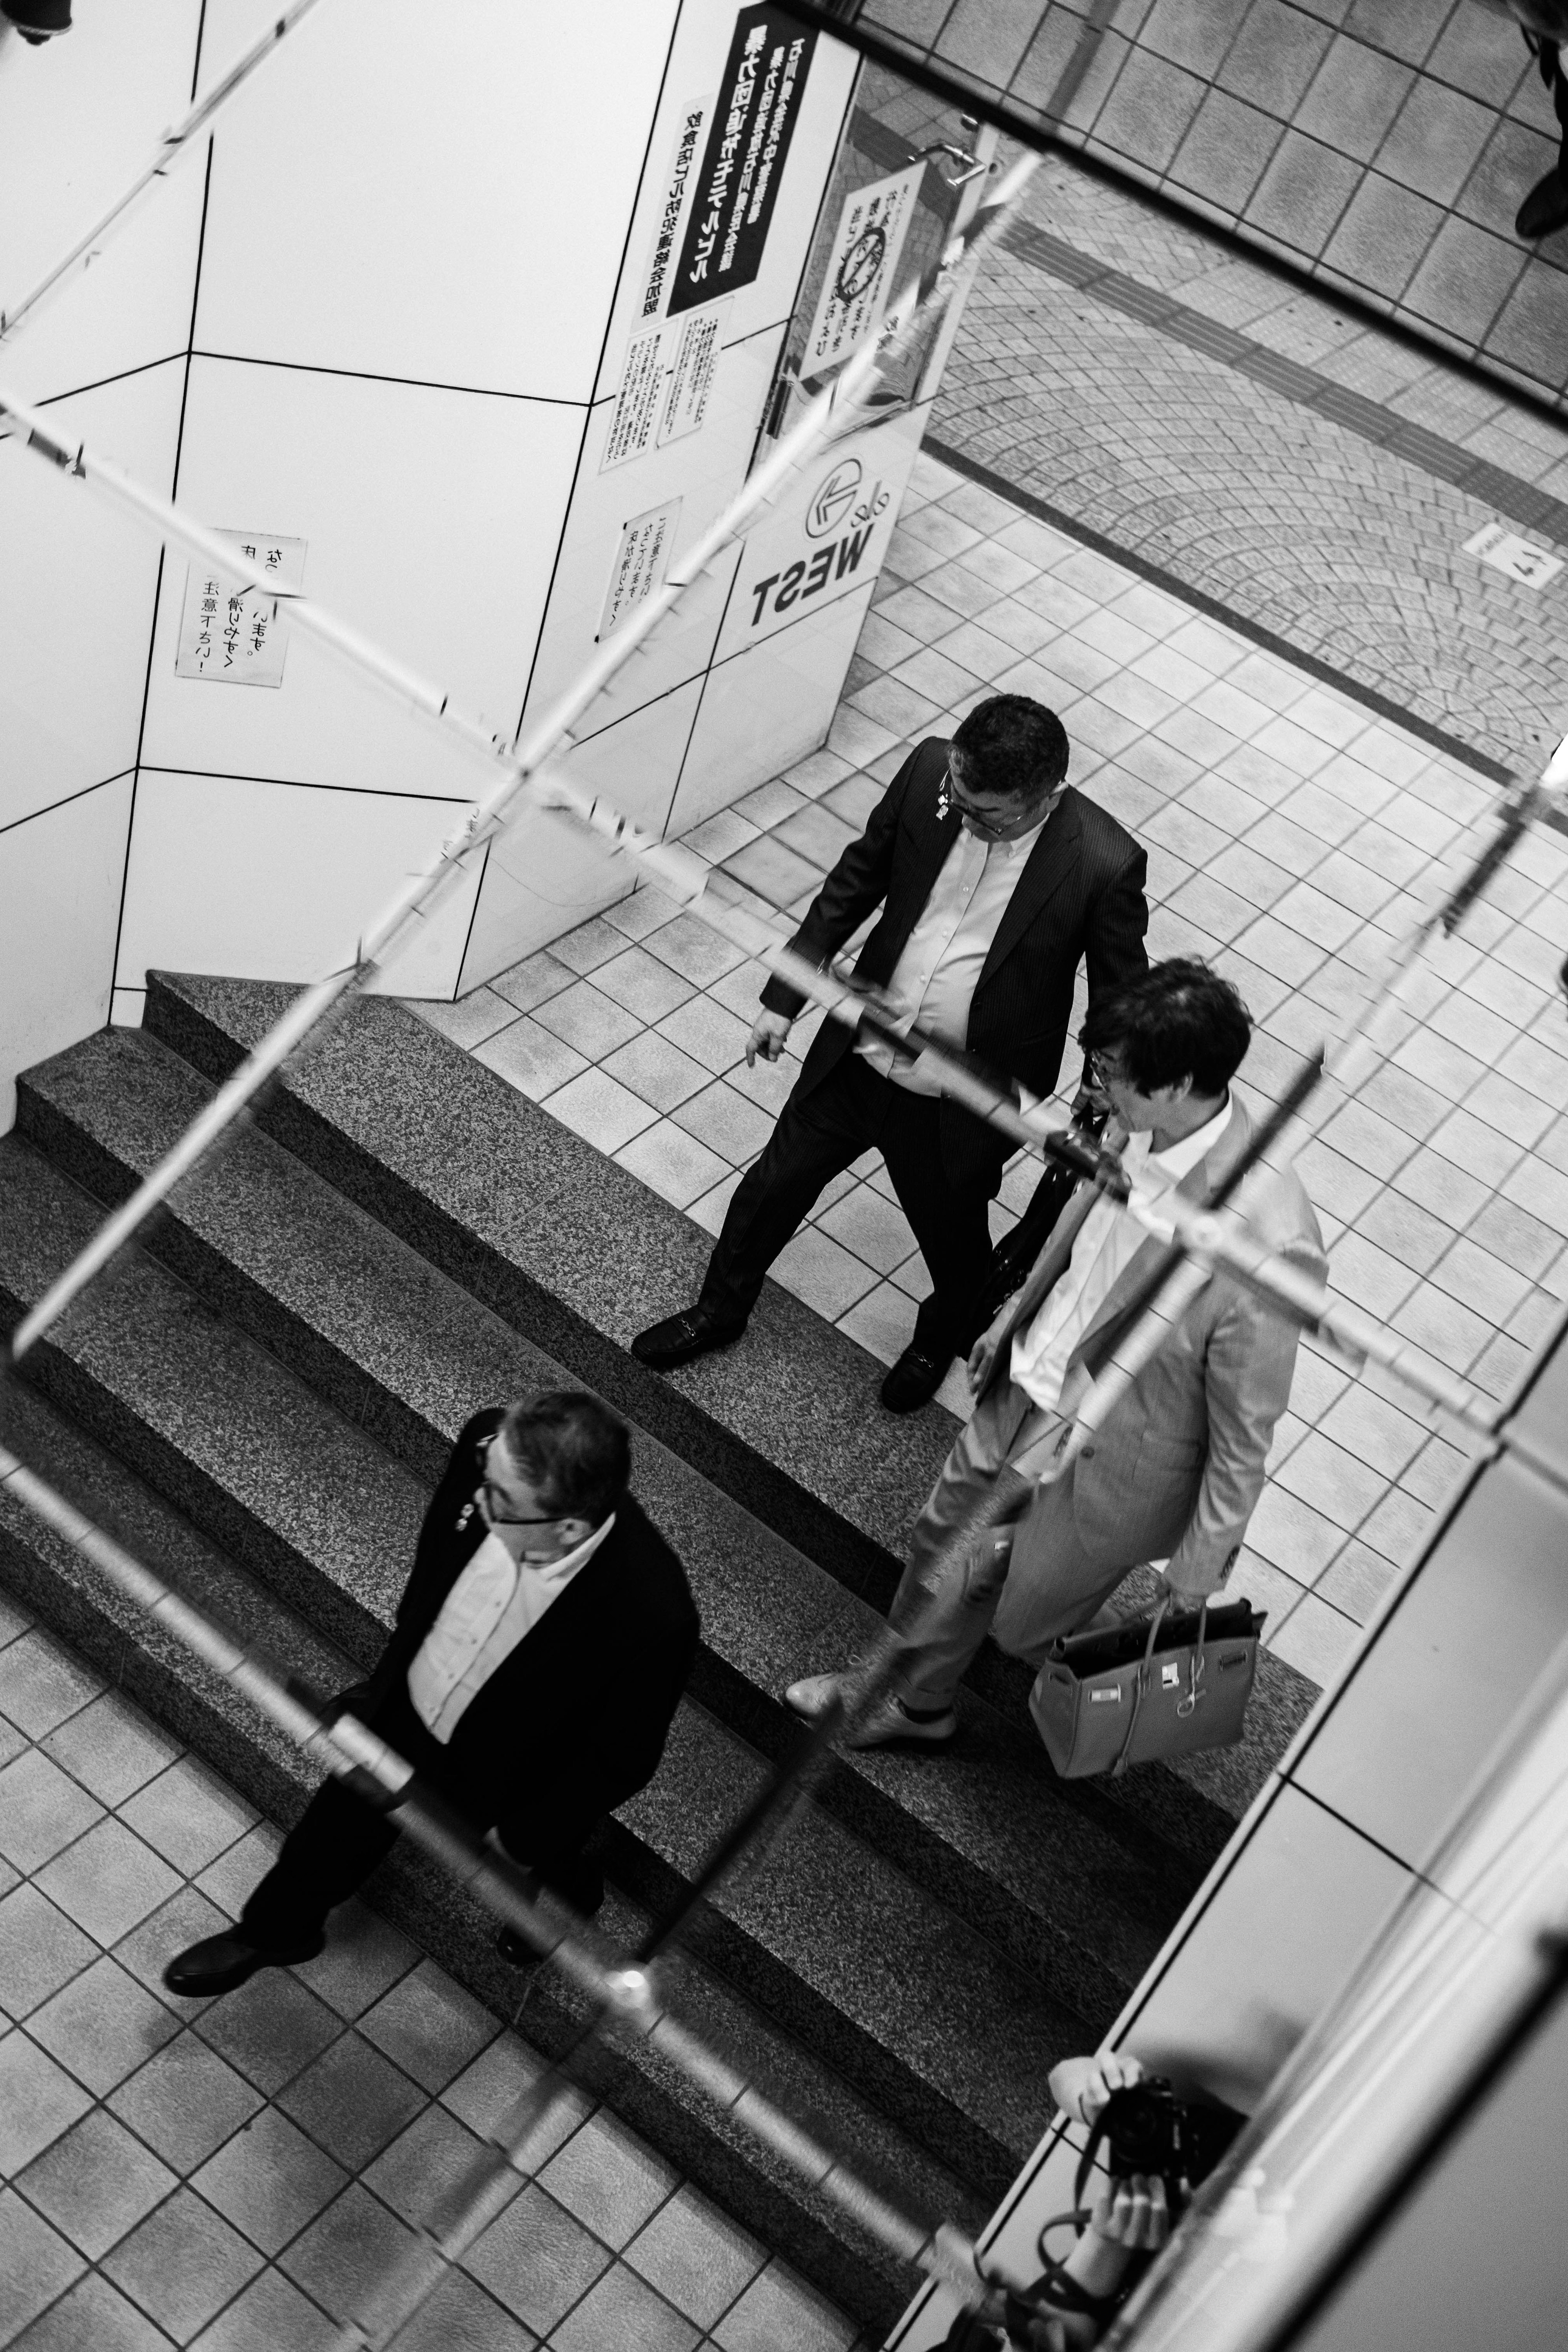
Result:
pixel 1195 1186
pixel 935 840
pixel 1052 859
pixel 1046 1271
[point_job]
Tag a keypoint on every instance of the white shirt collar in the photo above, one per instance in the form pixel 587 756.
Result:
pixel 559 1572
pixel 1180 1158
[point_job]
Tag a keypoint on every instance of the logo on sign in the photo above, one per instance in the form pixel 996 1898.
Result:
pixel 834 498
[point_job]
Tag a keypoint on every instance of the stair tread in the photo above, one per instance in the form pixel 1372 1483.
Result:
pixel 971 2032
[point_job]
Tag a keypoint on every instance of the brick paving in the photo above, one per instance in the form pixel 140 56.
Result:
pixel 1347 550
pixel 236 2176
pixel 1291 836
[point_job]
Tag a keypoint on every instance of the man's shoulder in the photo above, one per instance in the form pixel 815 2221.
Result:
pixel 655 1580
pixel 1105 839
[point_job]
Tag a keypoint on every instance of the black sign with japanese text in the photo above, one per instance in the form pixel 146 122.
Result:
pixel 754 122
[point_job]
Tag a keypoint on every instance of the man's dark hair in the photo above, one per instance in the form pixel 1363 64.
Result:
pixel 1180 1020
pixel 1015 747
pixel 574 1449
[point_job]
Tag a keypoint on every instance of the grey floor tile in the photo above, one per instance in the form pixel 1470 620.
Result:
pixel 429 2026
pixel 270 2180
pixel 528 983
pixel 645 984
pixel 188 1816
pixel 38 2101
pixel 657 1069
pixel 351 2101
pixel 102 2025
pixel 111 1748
pixel 621 2313
pixel 697 2258
pixel 602 1111
pixel 537 2261
pixel 269 2029
pixel 530 1059
pixel 486 2094
pixel 42 1810
pixel 271 2315
pixel 461 2318
pixel 109 1881
pixel 672 1163
pixel 435 2162
pixel 37 2265
pixel 610 2179
pixel 240 1868
pixel 470 1020
pixel 723 1119
pixel 185 1919
pixel 353 2258
pixel 710 1032
pixel 181 2265
pixel 592 1024
pixel 364 1956
pixel 92 2313
pixel 96 2183
pixel 41 1684
pixel 780 2308
pixel 185 2101
pixel 40 1950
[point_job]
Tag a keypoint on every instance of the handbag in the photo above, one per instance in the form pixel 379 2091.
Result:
pixel 1128 1694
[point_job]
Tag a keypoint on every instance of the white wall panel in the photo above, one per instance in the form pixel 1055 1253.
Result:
pixel 432 519
pixel 78 118
pixel 438 194
pixel 77 586
pixel 60 876
pixel 544 874
pixel 274 881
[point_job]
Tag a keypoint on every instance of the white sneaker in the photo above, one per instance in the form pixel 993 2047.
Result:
pixel 890 1720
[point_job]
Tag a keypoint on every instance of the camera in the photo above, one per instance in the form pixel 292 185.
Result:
pixel 1148 2129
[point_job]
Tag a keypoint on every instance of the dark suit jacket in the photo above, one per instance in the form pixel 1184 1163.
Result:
pixel 573 1722
pixel 1080 894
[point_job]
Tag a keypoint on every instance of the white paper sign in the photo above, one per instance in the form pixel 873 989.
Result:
pixel 682 163
pixel 870 237
pixel 234 634
pixel 637 405
pixel 696 363
pixel 641 562
pixel 1519 558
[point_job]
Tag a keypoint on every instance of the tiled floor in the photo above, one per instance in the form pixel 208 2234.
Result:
pixel 1291 836
pixel 238 2176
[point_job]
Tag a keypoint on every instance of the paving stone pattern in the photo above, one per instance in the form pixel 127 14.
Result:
pixel 1245 490
pixel 238 2176
pixel 1381 145
pixel 1291 836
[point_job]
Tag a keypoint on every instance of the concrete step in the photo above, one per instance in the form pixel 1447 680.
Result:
pixel 894 1990
pixel 565 1247
pixel 1058 1878
pixel 204 1711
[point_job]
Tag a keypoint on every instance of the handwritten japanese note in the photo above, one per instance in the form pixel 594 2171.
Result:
pixel 233 633
pixel 640 561
pixel 870 237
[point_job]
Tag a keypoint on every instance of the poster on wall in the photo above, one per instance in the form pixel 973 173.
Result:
pixel 823 545
pixel 862 261
pixel 641 562
pixel 232 635
pixel 676 188
pixel 743 160
pixel 637 404
pixel 691 375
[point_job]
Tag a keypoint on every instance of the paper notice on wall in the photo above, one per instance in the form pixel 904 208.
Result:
pixel 677 187
pixel 691 377
pixel 640 563
pixel 233 633
pixel 865 255
pixel 637 404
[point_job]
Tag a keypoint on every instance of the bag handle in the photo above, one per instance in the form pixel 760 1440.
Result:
pixel 1140 1679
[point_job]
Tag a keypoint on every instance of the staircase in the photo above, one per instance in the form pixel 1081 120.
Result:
pixel 259 1401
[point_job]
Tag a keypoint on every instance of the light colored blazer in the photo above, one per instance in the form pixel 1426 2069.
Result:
pixel 1177 1469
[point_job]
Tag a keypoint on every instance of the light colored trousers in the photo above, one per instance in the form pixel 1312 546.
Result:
pixel 1048 1586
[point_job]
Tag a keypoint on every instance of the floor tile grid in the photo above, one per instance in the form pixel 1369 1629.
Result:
pixel 242 2174
pixel 1291 837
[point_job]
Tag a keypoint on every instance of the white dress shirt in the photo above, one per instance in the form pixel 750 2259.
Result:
pixel 494 1602
pixel 1108 1240
pixel 934 980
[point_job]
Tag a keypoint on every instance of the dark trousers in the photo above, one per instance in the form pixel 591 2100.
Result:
pixel 338 1839
pixel 818 1136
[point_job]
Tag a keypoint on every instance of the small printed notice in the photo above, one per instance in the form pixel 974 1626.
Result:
pixel 696 363
pixel 866 251
pixel 675 194
pixel 640 563
pixel 1505 550
pixel 233 633
pixel 637 405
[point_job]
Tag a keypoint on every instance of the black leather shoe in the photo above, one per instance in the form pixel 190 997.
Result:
pixel 516 1951
pixel 1545 209
pixel 682 1339
pixel 219 1963
pixel 914 1380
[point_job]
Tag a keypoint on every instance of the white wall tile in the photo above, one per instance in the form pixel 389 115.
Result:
pixel 60 876
pixel 455 191
pixel 266 881
pixel 77 586
pixel 767 707
pixel 78 118
pixel 545 875
pixel 1273 1942
pixel 432 519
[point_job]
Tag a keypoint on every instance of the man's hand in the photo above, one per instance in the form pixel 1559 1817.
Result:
pixel 983 1355
pixel 1080 2086
pixel 1133 2213
pixel 1180 1600
pixel 769 1031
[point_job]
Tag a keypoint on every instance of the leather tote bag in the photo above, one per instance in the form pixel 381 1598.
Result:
pixel 1131 1693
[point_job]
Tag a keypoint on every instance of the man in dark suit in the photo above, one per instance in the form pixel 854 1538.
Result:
pixel 994 879
pixel 538 1658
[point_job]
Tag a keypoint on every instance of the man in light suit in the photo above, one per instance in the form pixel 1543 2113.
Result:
pixel 1175 1471
pixel 997 880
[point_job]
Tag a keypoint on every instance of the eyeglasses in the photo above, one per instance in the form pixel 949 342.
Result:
pixel 489 1490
